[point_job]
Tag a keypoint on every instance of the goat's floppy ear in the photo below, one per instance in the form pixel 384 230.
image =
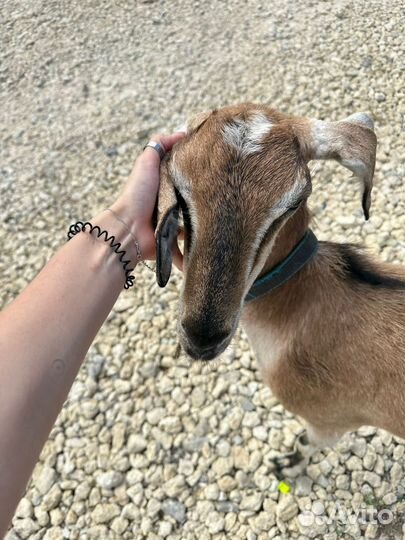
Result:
pixel 352 142
pixel 195 122
pixel 166 229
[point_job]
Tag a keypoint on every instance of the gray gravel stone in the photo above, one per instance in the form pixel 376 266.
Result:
pixel 354 463
pixel 110 479
pixel 380 97
pixel 396 474
pixel 197 397
pixel 174 486
pixel 359 447
pixel 45 480
pixel 252 502
pixel 251 419
pixel 241 457
pixel 165 528
pixel 262 522
pixel 342 481
pixel 287 508
pixel 12 535
pixel 119 525
pixel 226 506
pixel 105 512
pixel 174 509
pixel 369 459
pixel 216 522
pixel 390 498
pixel 153 507
pixel 54 533
pixel 230 520
pixel 136 443
pixel 81 492
pixel 24 509
pixel 25 527
pixel 262 478
pixel 303 486
pixel 372 478
pixel 222 466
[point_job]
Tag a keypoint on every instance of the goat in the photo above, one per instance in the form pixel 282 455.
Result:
pixel 329 331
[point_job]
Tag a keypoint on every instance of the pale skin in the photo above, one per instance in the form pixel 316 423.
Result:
pixel 47 330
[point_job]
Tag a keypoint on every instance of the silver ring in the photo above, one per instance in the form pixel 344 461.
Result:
pixel 158 147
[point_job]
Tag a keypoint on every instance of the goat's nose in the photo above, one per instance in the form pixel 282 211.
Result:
pixel 204 336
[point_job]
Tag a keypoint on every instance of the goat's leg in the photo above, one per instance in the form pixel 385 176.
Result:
pixel 307 443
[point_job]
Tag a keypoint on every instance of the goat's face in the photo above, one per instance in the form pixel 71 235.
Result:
pixel 238 176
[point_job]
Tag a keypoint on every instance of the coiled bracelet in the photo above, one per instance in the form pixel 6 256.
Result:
pixel 81 226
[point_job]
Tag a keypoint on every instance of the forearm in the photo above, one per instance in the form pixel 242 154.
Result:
pixel 44 336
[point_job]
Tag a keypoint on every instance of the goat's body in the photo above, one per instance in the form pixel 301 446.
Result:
pixel 331 340
pixel 331 343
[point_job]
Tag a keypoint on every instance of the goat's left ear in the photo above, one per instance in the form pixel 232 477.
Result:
pixel 351 142
pixel 166 229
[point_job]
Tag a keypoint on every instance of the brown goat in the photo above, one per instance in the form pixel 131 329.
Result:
pixel 330 341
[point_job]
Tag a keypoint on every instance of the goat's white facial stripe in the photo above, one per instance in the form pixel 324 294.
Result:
pixel 252 273
pixel 246 136
pixel 183 186
pixel 180 181
pixel 287 200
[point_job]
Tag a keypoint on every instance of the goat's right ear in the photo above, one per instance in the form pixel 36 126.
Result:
pixel 194 122
pixel 166 229
pixel 351 142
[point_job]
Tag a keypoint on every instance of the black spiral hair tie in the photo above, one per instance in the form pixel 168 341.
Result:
pixel 80 226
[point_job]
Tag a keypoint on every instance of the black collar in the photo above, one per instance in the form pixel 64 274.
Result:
pixel 295 260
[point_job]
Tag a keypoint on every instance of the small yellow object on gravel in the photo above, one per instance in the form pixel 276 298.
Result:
pixel 283 487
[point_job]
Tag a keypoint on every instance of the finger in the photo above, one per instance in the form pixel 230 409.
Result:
pixel 170 140
pixel 166 141
pixel 177 256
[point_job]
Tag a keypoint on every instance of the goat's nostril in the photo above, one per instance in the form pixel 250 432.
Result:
pixel 203 336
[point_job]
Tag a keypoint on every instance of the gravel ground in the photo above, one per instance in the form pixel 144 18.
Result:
pixel 147 445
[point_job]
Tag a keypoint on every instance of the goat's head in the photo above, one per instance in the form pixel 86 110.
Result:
pixel 239 175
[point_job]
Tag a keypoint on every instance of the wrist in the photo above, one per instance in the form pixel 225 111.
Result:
pixel 109 249
pixel 141 231
pixel 108 222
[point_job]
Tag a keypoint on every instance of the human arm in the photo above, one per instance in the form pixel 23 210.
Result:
pixel 46 331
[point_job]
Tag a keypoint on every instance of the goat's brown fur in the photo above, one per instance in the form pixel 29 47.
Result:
pixel 338 338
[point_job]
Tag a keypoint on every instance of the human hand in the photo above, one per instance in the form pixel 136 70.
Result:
pixel 136 203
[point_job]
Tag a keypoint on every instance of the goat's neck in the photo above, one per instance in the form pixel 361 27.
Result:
pixel 276 307
pixel 269 319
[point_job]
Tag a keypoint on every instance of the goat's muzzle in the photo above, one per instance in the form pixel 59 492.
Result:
pixel 204 341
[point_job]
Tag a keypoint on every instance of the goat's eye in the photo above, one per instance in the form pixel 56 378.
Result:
pixel 296 205
pixel 185 213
